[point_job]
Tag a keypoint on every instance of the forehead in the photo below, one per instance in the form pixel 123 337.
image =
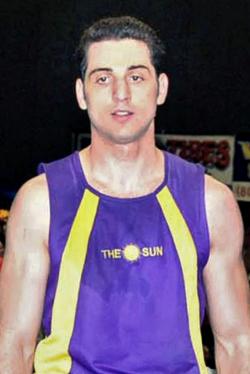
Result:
pixel 120 53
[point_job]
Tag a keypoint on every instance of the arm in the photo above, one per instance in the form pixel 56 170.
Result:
pixel 226 282
pixel 23 277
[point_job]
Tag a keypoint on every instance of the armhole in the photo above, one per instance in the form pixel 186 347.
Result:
pixel 42 169
pixel 204 215
pixel 179 173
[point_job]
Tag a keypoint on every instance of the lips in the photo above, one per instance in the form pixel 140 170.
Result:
pixel 121 115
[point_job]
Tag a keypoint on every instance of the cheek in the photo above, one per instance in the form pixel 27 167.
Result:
pixel 147 104
pixel 97 111
pixel 146 97
pixel 97 96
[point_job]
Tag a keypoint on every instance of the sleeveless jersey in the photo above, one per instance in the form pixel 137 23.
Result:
pixel 125 293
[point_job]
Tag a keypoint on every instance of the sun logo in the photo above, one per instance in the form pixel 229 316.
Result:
pixel 131 252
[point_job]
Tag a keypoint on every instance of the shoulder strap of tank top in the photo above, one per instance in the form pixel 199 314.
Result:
pixel 65 189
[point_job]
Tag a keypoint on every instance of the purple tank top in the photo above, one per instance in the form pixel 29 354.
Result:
pixel 125 293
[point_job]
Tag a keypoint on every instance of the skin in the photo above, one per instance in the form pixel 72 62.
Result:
pixel 226 281
pixel 121 92
pixel 23 277
pixel 128 84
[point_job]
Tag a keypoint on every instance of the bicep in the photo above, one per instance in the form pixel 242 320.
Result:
pixel 25 269
pixel 224 276
pixel 228 296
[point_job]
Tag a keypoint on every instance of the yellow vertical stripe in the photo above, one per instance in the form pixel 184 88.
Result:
pixel 188 258
pixel 52 354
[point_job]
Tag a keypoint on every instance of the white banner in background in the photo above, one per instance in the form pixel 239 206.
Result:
pixel 241 179
pixel 214 152
pixel 242 190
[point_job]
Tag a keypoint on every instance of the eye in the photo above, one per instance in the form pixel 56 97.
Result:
pixel 103 79
pixel 136 78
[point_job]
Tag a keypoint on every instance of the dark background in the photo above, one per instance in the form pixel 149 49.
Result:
pixel 208 50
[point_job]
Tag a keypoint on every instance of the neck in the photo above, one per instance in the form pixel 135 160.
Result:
pixel 123 170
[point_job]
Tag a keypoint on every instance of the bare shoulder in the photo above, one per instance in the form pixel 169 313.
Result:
pixel 223 214
pixel 218 193
pixel 32 193
pixel 30 210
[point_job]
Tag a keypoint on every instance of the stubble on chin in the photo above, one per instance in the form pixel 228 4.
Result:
pixel 121 139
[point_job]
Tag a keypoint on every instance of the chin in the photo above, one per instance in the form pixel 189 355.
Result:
pixel 124 136
pixel 129 137
pixel 126 139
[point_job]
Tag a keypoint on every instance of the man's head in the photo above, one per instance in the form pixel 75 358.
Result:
pixel 118 28
pixel 122 82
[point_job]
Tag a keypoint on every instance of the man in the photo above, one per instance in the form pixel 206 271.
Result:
pixel 114 247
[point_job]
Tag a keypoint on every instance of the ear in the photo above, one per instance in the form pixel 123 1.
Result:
pixel 79 87
pixel 162 88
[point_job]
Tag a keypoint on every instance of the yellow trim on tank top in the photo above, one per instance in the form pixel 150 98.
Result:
pixel 187 253
pixel 52 353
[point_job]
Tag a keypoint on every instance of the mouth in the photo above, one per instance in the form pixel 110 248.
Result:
pixel 122 115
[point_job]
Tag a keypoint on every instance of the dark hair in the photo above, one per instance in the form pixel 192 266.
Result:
pixel 117 28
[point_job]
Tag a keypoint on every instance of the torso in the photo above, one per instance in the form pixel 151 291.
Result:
pixel 132 296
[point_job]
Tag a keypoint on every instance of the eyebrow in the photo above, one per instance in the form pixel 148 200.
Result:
pixel 132 67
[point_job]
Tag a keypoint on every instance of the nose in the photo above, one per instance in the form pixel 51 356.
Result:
pixel 121 90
